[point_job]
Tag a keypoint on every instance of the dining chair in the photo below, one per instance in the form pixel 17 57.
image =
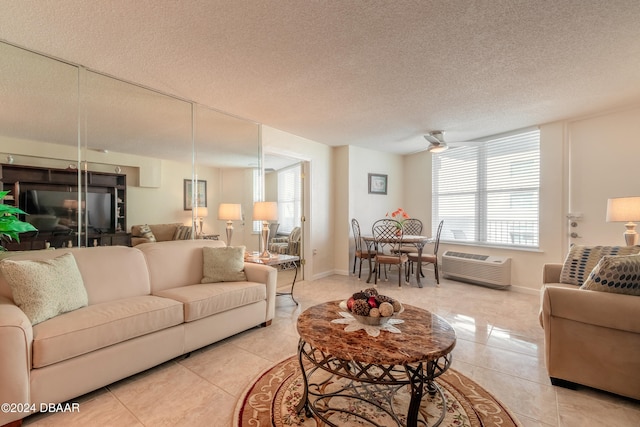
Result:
pixel 361 251
pixel 388 241
pixel 411 226
pixel 431 258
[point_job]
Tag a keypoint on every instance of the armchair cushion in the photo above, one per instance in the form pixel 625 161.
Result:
pixel 44 289
pixel 617 274
pixel 581 260
pixel 288 244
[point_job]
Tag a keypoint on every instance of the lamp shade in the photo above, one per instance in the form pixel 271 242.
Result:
pixel 201 212
pixel 230 211
pixel 265 211
pixel 623 209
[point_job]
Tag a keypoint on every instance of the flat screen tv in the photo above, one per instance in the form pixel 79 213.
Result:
pixel 57 211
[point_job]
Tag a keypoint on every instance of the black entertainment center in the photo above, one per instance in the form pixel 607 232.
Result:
pixel 51 199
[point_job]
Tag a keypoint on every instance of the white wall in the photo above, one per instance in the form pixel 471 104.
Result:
pixel 365 207
pixel 417 191
pixel 603 161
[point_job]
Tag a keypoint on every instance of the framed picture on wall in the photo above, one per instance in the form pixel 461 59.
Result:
pixel 200 194
pixel 377 183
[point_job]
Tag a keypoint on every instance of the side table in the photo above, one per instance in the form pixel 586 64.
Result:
pixel 281 262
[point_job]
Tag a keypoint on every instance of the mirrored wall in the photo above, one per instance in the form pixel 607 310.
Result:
pixel 89 156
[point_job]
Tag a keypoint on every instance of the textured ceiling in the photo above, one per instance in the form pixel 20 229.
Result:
pixel 371 73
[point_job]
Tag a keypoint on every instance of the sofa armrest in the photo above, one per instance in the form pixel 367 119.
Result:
pixel 260 273
pixel 16 337
pixel 607 310
pixel 551 273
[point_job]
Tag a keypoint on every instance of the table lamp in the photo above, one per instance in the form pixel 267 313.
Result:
pixel 229 212
pixel 627 209
pixel 200 212
pixel 265 212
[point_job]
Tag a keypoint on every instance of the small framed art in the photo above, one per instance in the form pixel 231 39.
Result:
pixel 200 194
pixel 377 183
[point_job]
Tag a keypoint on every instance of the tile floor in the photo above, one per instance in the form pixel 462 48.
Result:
pixel 500 346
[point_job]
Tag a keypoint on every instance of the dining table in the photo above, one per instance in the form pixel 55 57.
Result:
pixel 418 241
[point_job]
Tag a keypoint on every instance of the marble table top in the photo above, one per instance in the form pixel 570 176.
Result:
pixel 423 336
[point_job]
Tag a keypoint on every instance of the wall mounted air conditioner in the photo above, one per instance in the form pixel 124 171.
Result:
pixel 485 270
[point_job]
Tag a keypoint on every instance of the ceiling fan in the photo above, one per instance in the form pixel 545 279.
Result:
pixel 438 145
pixel 436 141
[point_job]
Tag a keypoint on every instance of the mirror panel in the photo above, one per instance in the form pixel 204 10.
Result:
pixel 39 128
pixel 227 156
pixel 63 116
pixel 39 99
pixel 144 135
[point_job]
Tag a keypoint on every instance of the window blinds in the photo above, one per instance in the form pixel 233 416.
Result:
pixel 289 198
pixel 489 193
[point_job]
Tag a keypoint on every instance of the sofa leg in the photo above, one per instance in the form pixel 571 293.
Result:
pixel 563 383
pixel 16 423
pixel 265 324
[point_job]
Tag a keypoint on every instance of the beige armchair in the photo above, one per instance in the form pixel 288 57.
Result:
pixel 591 338
pixel 288 245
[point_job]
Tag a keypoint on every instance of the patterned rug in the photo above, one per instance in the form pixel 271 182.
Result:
pixel 273 396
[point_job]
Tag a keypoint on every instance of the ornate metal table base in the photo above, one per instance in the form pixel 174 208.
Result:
pixel 290 265
pixel 363 388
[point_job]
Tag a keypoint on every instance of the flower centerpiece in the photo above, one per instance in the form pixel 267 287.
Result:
pixel 401 216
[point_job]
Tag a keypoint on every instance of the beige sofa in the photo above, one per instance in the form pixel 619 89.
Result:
pixel 591 337
pixel 161 232
pixel 146 305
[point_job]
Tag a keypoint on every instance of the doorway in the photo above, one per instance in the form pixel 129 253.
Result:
pixel 285 183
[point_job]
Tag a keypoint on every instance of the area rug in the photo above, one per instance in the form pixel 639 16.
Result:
pixel 271 400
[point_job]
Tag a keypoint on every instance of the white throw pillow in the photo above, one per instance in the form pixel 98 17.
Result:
pixel 224 264
pixel 45 288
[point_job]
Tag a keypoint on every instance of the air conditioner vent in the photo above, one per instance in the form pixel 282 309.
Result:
pixel 485 270
pixel 467 256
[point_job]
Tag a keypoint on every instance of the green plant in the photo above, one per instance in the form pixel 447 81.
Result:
pixel 10 224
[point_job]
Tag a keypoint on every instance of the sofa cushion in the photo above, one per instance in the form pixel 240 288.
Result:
pixel 581 260
pixel 183 232
pixel 101 325
pixel 224 264
pixel 145 232
pixel 617 274
pixel 45 288
pixel 211 298
pixel 175 263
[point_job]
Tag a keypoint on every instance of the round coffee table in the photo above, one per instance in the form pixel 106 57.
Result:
pixel 364 370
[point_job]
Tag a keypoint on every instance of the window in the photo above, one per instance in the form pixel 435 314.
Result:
pixel 489 193
pixel 289 198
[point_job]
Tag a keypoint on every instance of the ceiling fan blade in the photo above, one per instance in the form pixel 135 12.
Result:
pixel 432 139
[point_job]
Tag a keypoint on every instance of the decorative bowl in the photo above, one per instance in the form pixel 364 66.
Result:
pixel 368 320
